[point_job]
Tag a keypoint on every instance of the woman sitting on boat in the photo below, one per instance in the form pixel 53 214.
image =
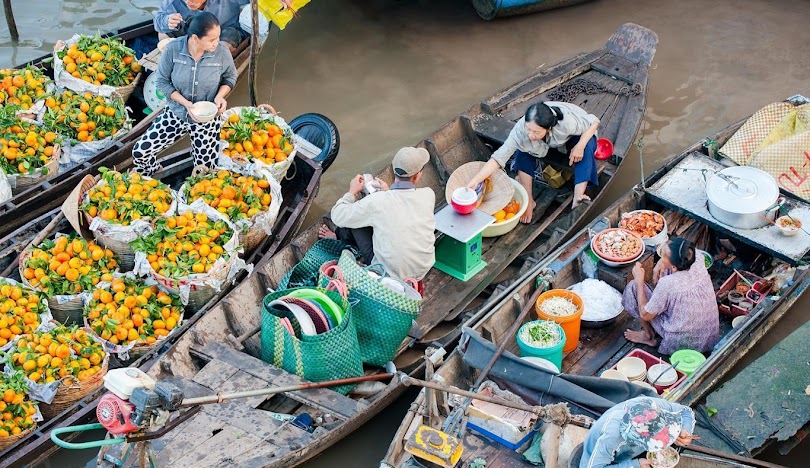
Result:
pixel 642 424
pixel 548 128
pixel 192 69
pixel 682 308
pixel 173 17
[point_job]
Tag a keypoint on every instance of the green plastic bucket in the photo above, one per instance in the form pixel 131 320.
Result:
pixel 688 360
pixel 553 354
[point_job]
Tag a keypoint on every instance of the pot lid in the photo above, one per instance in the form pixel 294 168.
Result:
pixel 743 190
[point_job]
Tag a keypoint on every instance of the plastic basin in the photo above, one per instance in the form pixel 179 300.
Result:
pixel 499 229
pixel 328 305
pixel 688 360
pixel 569 323
pixel 553 354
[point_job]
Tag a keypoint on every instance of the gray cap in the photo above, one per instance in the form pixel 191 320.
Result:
pixel 409 160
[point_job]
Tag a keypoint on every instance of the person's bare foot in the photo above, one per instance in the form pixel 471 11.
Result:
pixel 639 337
pixel 527 216
pixel 579 200
pixel 326 233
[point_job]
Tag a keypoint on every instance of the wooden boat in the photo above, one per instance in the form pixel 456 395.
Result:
pixel 491 9
pixel 42 198
pixel 298 194
pixel 601 348
pixel 244 432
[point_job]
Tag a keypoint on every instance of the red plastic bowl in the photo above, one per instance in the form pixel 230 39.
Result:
pixel 604 149
pixel 463 209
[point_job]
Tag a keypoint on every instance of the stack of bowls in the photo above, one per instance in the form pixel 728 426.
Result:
pixel 307 312
pixel 669 377
pixel 613 375
pixel 635 369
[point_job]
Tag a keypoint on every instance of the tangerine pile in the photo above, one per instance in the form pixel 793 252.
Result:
pixel 84 117
pixel 129 311
pixel 24 147
pixel 68 265
pixel 20 310
pixel 23 87
pixel 235 195
pixel 507 212
pixel 100 61
pixel 122 198
pixel 185 244
pixel 63 352
pixel 16 412
pixel 253 136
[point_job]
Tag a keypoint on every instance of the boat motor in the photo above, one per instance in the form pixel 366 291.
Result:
pixel 146 409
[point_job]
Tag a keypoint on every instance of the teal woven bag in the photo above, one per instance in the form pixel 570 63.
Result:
pixel 332 355
pixel 382 316
pixel 305 272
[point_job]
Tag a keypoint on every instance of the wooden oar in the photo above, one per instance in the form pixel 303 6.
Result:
pixel 731 456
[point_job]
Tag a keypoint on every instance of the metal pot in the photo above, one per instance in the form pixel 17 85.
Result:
pixel 742 197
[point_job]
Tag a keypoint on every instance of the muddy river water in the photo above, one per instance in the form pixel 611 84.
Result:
pixel 388 72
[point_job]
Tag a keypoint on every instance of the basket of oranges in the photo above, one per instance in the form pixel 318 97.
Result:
pixel 22 310
pixel 190 254
pixel 87 123
pixel 61 364
pixel 131 316
pixel 63 268
pixel 255 136
pixel 250 201
pixel 100 65
pixel 120 207
pixel 21 411
pixel 24 88
pixel 29 154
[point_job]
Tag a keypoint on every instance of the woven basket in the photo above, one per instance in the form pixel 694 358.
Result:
pixel 70 312
pixel 6 442
pixel 66 396
pixel 252 238
pixel 198 295
pixel 24 181
pixel 126 256
pixel 73 83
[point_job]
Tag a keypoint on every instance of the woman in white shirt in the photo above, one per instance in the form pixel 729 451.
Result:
pixel 548 126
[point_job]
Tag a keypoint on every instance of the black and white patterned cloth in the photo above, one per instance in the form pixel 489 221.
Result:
pixel 166 130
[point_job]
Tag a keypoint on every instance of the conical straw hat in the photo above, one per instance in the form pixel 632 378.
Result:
pixel 502 189
pixel 71 207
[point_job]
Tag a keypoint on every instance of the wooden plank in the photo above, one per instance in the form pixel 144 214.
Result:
pixel 323 399
pixel 616 67
pixel 241 381
pixel 438 165
pixel 261 424
pixel 214 374
pixel 262 455
pixel 217 450
pixel 202 427
pixel 493 129
pixel 633 42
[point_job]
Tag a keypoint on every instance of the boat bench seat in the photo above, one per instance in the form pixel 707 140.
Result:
pixel 495 130
pixel 268 375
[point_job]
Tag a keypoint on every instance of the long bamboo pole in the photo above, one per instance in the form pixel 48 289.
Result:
pixel 12 24
pixel 254 51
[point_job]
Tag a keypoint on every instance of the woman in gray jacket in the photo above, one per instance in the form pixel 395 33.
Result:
pixel 193 68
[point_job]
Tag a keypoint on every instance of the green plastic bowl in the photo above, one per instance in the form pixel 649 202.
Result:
pixel 323 300
pixel 688 360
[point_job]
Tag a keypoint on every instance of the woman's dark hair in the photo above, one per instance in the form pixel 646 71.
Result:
pixel 681 253
pixel 543 115
pixel 201 23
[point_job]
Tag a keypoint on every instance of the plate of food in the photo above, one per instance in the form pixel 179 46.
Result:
pixel 788 225
pixel 616 246
pixel 649 225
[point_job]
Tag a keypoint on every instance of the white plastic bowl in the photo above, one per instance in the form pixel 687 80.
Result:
pixel 619 264
pixel 669 377
pixel 787 232
pixel 164 42
pixel 632 367
pixel 204 111
pixel 499 229
pixel 540 362
pixel 614 375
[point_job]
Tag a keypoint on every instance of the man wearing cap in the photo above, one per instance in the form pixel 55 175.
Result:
pixel 638 425
pixel 393 226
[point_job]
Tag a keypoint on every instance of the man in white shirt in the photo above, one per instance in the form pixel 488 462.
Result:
pixel 393 226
